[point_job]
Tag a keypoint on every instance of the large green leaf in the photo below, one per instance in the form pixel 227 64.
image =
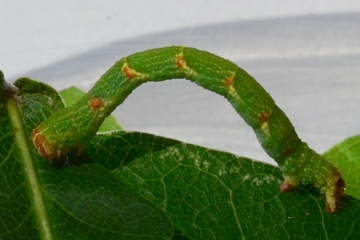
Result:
pixel 346 156
pixel 139 186
pixel 82 200
pixel 211 194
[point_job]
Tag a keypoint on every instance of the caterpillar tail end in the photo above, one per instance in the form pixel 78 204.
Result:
pixel 334 192
pixel 48 150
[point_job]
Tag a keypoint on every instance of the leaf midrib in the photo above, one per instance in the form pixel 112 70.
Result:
pixel 32 181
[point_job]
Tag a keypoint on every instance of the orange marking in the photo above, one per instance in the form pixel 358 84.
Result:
pixel 129 73
pixel 44 147
pixel 229 81
pixel 264 117
pixel 287 151
pixel 96 103
pixel 180 61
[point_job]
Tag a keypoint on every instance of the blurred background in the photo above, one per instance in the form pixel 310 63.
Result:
pixel 305 53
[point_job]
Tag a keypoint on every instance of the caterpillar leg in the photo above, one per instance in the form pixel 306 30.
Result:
pixel 286 187
pixel 334 192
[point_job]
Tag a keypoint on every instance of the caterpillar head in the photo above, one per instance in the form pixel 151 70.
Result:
pixel 49 150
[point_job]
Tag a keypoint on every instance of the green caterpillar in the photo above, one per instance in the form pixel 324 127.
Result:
pixel 75 126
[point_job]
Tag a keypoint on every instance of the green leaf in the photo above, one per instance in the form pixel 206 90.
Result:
pixel 346 156
pixel 72 94
pixel 211 194
pixel 77 200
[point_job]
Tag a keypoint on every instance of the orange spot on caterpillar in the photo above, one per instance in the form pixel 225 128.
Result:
pixel 264 117
pixel 229 81
pixel 96 103
pixel 44 147
pixel 129 72
pixel 287 151
pixel 180 61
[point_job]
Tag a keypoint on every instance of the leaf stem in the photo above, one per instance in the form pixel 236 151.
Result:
pixel 32 181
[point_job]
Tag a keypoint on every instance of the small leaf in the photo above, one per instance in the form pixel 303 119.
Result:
pixel 346 156
pixel 211 194
pixel 72 94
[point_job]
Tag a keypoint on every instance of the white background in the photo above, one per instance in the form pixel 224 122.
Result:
pixel 37 33
pixel 305 53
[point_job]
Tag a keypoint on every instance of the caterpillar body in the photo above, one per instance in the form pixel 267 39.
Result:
pixel 74 127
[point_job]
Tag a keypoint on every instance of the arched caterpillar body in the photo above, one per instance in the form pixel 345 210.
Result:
pixel 75 126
